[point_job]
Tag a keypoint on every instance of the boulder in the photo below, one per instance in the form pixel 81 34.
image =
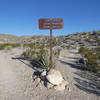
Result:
pixel 54 77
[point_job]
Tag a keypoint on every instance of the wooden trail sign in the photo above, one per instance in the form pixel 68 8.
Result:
pixel 51 24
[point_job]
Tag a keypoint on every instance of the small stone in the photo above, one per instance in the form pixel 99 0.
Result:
pixel 49 85
pixel 38 80
pixel 40 86
pixel 61 86
pixel 44 73
pixel 69 89
pixel 65 82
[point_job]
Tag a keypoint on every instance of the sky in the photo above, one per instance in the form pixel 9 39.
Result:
pixel 20 17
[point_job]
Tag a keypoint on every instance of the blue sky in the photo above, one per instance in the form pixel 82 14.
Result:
pixel 20 17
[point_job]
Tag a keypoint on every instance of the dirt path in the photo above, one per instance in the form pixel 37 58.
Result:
pixel 16 81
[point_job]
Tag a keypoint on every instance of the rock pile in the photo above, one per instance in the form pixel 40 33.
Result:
pixel 54 79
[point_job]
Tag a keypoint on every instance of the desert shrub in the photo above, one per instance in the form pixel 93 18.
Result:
pixel 97 49
pixel 41 53
pixel 98 40
pixel 93 58
pixel 56 52
pixel 87 40
pixel 54 42
pixel 92 63
pixel 83 50
pixel 32 49
pixel 98 55
pixel 35 45
pixel 8 46
pixel 31 45
pixel 28 53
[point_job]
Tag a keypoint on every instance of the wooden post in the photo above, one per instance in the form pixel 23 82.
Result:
pixel 50 48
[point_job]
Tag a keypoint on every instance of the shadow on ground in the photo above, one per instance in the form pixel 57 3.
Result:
pixel 74 65
pixel 33 63
pixel 36 66
pixel 88 82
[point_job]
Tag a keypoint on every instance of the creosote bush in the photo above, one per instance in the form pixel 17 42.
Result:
pixel 8 46
pixel 83 50
pixel 93 58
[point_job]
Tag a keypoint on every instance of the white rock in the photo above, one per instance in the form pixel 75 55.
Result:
pixel 65 82
pixel 49 85
pixel 44 73
pixel 61 86
pixel 38 80
pixel 54 77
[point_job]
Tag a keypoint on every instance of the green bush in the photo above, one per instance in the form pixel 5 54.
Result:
pixel 81 49
pixel 8 46
pixel 92 63
pixel 56 53
pixel 41 54
pixel 93 58
pixel 35 45
pixel 28 53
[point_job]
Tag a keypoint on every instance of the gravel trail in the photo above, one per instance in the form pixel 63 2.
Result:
pixel 16 82
pixel 83 85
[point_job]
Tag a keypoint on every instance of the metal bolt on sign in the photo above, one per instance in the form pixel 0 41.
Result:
pixel 50 24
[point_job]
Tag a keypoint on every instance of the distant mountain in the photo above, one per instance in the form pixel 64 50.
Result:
pixel 5 38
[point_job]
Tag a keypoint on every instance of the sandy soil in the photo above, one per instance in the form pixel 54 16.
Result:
pixel 16 82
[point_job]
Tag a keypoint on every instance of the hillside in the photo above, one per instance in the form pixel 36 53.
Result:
pixel 88 39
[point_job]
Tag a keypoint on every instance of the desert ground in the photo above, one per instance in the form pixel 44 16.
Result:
pixel 16 79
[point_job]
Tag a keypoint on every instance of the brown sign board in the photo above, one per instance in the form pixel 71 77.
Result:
pixel 51 23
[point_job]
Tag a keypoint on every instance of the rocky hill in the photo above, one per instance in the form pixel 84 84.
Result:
pixel 88 39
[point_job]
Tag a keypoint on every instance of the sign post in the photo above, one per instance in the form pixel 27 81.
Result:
pixel 50 24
